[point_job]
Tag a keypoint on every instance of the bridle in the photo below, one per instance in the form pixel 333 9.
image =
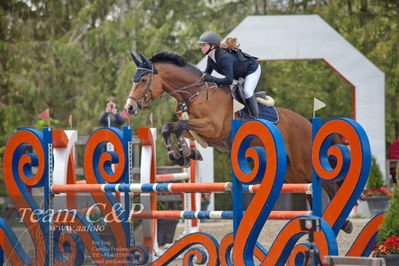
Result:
pixel 147 90
pixel 182 103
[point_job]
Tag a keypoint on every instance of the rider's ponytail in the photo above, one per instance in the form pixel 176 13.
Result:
pixel 230 43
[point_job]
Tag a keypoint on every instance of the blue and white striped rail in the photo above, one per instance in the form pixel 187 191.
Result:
pixel 182 215
pixel 143 188
pixel 171 187
pixel 274 215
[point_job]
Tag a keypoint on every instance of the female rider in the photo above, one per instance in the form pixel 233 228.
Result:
pixel 231 62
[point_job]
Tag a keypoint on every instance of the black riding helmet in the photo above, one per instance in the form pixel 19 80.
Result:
pixel 210 37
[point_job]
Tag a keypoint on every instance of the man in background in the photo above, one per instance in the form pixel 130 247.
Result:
pixel 111 117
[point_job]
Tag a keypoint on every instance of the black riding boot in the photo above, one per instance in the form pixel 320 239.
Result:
pixel 253 106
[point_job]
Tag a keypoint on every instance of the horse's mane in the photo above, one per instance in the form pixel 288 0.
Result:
pixel 175 59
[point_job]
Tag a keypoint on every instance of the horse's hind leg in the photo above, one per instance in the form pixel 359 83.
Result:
pixel 331 189
pixel 174 155
pixel 347 227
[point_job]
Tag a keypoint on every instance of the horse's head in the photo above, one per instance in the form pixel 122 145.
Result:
pixel 146 85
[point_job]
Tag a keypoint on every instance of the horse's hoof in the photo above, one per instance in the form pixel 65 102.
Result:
pixel 195 155
pixel 175 156
pixel 181 162
pixel 187 164
pixel 185 152
pixel 347 227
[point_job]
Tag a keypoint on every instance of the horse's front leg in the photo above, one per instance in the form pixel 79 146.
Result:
pixel 174 155
pixel 180 127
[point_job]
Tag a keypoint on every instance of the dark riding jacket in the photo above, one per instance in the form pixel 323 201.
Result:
pixel 115 120
pixel 231 64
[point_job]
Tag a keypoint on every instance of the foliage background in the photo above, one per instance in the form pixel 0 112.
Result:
pixel 375 177
pixel 390 225
pixel 71 55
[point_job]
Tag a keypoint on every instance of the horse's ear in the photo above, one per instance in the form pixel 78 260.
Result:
pixel 145 59
pixel 135 59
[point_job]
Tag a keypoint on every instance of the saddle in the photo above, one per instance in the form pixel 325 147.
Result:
pixel 265 103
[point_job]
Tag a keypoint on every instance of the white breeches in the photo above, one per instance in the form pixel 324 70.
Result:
pixel 250 83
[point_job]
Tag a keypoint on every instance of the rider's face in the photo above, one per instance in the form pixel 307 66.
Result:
pixel 204 47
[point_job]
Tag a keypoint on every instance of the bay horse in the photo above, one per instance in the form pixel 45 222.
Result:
pixel 209 109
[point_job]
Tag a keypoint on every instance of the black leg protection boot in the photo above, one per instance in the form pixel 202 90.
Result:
pixel 253 106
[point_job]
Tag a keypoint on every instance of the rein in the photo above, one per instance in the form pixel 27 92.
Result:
pixel 182 89
pixel 183 103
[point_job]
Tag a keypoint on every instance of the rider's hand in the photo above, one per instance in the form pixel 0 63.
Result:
pixel 208 78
